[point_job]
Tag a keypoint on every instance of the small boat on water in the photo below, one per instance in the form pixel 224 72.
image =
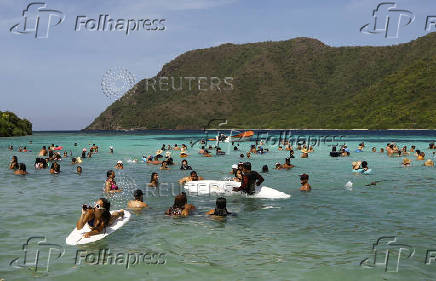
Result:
pixel 244 136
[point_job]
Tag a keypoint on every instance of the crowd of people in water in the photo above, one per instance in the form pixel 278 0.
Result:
pixel 99 216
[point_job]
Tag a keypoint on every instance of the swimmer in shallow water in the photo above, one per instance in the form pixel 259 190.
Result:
pixel 406 162
pixel 164 166
pixel 21 169
pixel 154 180
pixel 305 186
pixel 185 166
pixel 138 203
pixel 238 176
pixel 97 217
pixel 13 165
pixel 192 177
pixel 110 185
pixel 220 209
pixel 119 165
pixel 429 163
pixel 79 170
pixel 180 208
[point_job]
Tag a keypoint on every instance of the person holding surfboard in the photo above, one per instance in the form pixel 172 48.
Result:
pixel 249 180
pixel 97 217
pixel 192 177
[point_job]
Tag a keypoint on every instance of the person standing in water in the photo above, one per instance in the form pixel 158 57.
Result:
pixel 13 165
pixel 110 185
pixel 305 186
pixel 154 180
pixel 250 179
pixel 180 206
pixel 138 203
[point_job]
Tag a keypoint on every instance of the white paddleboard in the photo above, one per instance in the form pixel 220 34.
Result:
pixel 76 236
pixel 205 187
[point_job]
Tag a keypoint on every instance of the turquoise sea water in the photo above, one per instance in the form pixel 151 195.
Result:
pixel 321 235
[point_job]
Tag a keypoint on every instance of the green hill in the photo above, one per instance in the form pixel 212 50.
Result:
pixel 298 83
pixel 11 125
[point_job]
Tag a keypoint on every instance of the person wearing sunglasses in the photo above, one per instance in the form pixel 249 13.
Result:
pixel 97 217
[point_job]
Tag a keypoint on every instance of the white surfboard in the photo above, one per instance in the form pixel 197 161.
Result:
pixel 76 236
pixel 205 187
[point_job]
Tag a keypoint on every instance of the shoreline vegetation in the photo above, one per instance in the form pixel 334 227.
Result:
pixel 298 83
pixel 13 126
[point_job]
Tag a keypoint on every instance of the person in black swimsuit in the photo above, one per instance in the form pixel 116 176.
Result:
pixel 250 179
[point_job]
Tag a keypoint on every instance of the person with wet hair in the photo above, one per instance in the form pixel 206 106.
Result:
pixel 13 165
pixel 192 177
pixel 154 180
pixel 220 209
pixel 21 169
pixel 305 186
pixel 97 217
pixel 180 208
pixel 138 203
pixel 250 179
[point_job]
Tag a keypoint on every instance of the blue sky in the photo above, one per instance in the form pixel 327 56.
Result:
pixel 55 82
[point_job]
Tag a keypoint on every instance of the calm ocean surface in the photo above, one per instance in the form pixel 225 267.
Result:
pixel 321 235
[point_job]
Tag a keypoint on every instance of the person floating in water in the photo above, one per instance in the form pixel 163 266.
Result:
pixel 180 208
pixel 138 203
pixel 220 209
pixel 250 179
pixel 97 217
pixel 305 186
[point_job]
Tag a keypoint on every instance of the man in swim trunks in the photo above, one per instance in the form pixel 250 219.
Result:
pixel 250 179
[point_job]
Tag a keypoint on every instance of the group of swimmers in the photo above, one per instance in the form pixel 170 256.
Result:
pixel 99 216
